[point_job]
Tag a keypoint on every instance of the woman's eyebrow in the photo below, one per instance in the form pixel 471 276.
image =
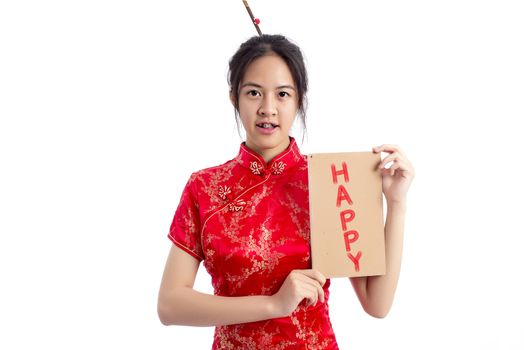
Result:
pixel 260 86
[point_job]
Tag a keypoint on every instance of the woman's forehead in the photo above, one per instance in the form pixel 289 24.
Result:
pixel 268 67
pixel 268 75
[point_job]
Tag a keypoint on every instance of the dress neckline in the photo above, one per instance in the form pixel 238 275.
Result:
pixel 276 166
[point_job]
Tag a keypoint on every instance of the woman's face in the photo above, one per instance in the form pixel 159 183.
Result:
pixel 268 105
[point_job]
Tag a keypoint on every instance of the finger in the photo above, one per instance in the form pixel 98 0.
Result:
pixel 390 170
pixel 389 148
pixel 310 293
pixel 399 164
pixel 312 284
pixel 388 159
pixel 314 274
pixel 320 293
pixel 402 166
pixel 304 291
pixel 304 280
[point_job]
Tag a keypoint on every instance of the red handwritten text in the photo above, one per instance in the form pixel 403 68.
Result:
pixel 347 215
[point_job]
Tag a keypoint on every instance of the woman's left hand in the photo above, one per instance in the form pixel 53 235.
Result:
pixel 396 179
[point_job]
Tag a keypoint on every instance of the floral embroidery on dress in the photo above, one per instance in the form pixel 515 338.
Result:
pixel 278 168
pixel 238 205
pixel 223 191
pixel 255 168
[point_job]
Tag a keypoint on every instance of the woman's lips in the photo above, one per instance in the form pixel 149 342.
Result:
pixel 266 130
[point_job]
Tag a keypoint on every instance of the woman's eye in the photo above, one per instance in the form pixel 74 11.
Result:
pixel 252 92
pixel 283 94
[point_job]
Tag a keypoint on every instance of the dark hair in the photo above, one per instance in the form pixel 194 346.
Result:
pixel 266 44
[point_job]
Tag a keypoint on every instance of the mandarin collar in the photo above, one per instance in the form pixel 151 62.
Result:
pixel 276 166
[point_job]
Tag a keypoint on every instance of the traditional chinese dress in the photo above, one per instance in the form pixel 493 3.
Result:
pixel 249 222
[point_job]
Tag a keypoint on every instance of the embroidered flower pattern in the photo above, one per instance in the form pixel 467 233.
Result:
pixel 278 168
pixel 255 168
pixel 223 191
pixel 238 205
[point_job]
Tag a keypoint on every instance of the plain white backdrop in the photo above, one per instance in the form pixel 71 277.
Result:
pixel 108 106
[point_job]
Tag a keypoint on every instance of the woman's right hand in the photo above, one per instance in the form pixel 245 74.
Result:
pixel 298 285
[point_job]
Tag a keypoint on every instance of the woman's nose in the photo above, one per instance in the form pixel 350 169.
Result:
pixel 268 106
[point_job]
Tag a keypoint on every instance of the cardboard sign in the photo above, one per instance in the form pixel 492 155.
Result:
pixel 346 214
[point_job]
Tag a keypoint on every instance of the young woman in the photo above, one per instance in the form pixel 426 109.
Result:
pixel 248 221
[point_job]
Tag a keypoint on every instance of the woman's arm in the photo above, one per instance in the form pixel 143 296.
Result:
pixel 376 293
pixel 180 304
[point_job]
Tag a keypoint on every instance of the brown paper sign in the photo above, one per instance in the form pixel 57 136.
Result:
pixel 346 214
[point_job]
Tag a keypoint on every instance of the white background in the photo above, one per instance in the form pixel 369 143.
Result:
pixel 108 106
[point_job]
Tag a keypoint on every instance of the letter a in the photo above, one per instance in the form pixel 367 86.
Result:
pixel 343 195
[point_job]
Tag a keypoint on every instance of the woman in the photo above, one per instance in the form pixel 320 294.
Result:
pixel 248 221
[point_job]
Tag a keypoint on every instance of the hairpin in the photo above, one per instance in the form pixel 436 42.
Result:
pixel 255 21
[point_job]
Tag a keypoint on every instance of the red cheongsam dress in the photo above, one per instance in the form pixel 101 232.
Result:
pixel 249 222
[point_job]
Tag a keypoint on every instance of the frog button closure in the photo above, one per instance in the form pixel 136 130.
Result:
pixel 256 168
pixel 278 168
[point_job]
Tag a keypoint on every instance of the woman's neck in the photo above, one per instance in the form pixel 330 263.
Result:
pixel 269 153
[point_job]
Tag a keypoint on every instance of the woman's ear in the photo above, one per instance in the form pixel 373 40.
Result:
pixel 232 98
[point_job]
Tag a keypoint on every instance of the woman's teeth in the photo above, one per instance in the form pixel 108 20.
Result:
pixel 266 125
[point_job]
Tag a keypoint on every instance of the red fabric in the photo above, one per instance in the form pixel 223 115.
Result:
pixel 249 222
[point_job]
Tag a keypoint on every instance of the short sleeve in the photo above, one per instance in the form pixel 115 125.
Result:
pixel 185 227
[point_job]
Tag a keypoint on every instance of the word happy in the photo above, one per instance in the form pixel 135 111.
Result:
pixel 347 215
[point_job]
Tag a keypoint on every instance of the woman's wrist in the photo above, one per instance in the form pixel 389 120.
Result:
pixel 402 203
pixel 272 307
